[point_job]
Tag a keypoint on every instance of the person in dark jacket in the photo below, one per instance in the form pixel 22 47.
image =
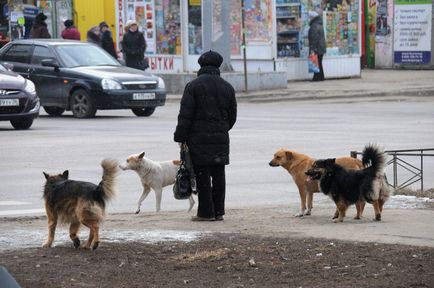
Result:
pixel 134 46
pixel 70 32
pixel 39 28
pixel 317 42
pixel 107 40
pixel 93 35
pixel 208 111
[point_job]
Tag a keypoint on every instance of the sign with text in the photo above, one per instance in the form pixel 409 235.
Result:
pixel 412 31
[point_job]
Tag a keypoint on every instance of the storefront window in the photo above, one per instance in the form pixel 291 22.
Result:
pixel 288 27
pixel 342 27
pixel 341 23
pixel 194 27
pixel 168 27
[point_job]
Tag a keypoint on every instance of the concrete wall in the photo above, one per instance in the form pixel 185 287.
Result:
pixel 175 83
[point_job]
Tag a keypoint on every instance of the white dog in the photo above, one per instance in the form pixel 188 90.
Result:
pixel 155 175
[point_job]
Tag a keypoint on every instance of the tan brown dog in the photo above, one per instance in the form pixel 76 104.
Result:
pixel 297 164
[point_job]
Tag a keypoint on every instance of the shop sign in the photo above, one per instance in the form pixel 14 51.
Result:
pixel 412 31
pixel 161 63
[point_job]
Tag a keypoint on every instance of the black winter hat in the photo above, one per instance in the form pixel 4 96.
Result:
pixel 41 17
pixel 103 24
pixel 68 23
pixel 210 58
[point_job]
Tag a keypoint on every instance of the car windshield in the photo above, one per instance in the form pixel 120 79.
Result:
pixel 85 55
pixel 3 68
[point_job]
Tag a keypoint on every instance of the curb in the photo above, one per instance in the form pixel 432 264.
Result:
pixel 294 95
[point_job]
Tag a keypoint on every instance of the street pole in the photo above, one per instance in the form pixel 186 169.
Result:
pixel 244 44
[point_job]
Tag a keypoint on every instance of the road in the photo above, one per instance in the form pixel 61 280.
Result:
pixel 318 129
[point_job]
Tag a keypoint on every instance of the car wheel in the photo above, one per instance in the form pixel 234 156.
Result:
pixel 54 111
pixel 82 105
pixel 148 111
pixel 22 123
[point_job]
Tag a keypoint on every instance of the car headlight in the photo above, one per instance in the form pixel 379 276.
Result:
pixel 30 87
pixel 161 84
pixel 109 84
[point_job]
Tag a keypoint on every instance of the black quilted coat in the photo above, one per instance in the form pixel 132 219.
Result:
pixel 208 111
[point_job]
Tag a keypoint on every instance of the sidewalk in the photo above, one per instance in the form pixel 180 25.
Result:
pixel 373 85
pixel 398 226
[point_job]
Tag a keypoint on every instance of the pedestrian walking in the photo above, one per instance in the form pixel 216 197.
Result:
pixel 208 111
pixel 317 42
pixel 70 31
pixel 93 35
pixel 134 47
pixel 107 40
pixel 39 28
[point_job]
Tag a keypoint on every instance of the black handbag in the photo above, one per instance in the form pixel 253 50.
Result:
pixel 185 182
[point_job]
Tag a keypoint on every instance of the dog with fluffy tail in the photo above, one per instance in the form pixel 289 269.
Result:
pixel 78 203
pixel 346 187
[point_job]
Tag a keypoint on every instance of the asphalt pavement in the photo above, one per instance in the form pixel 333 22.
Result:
pixel 371 86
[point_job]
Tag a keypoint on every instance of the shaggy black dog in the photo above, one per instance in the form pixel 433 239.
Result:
pixel 347 187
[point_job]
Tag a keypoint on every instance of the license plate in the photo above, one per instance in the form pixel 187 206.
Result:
pixel 9 102
pixel 143 96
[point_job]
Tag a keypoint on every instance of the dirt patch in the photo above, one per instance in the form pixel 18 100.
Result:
pixel 429 193
pixel 225 260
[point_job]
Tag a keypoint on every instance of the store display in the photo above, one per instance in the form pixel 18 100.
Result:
pixel 167 26
pixel 288 24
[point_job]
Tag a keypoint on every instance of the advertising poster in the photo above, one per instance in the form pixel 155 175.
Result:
pixel 235 27
pixel 412 30
pixel 258 23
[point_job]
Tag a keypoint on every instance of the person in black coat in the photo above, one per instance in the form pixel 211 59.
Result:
pixel 208 111
pixel 317 43
pixel 107 40
pixel 39 28
pixel 134 46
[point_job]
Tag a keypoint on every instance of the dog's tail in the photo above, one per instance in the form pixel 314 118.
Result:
pixel 374 160
pixel 108 183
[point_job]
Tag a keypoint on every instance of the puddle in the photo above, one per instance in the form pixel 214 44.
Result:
pixel 25 238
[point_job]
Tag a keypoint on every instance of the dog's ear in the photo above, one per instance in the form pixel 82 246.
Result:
pixel 46 175
pixel 65 174
pixel 141 155
pixel 330 161
pixel 288 155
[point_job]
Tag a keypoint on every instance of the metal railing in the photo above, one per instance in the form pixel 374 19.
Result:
pixel 397 162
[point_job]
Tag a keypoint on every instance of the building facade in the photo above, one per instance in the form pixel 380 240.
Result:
pixel 276 34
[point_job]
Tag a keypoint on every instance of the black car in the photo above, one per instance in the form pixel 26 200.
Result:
pixel 82 77
pixel 18 101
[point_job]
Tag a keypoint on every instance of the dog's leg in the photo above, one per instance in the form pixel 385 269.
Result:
pixel 309 199
pixel 146 190
pixel 191 200
pixel 52 222
pixel 88 224
pixel 158 194
pixel 336 215
pixel 360 206
pixel 73 233
pixel 380 204
pixel 95 228
pixel 342 207
pixel 302 192
pixel 377 210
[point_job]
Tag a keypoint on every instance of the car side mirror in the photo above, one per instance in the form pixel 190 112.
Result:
pixel 50 63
